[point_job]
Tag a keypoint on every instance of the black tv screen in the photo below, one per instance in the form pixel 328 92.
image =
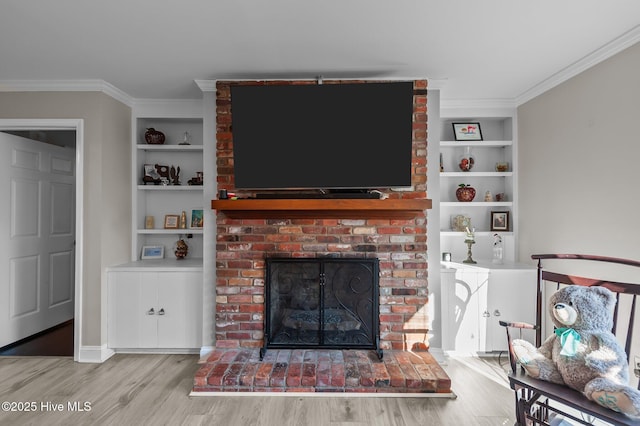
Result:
pixel 333 136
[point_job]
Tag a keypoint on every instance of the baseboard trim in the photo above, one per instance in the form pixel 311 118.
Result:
pixel 94 354
pixel 157 351
pixel 204 353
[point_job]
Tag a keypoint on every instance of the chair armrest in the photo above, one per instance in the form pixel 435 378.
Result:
pixel 518 325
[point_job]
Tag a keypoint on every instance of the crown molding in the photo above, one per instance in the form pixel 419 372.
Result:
pixel 66 86
pixel 615 46
pixel 206 85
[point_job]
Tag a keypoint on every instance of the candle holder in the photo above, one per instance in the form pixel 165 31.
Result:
pixel 469 258
pixel 469 240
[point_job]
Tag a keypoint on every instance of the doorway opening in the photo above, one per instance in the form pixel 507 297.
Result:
pixel 59 217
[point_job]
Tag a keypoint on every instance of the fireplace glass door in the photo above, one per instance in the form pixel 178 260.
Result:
pixel 328 303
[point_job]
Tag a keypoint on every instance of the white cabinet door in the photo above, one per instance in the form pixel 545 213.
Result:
pixel 179 305
pixel 461 308
pixel 470 284
pixel 124 308
pixel 148 314
pixel 512 297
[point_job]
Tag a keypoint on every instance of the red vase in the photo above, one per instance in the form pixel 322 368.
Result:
pixel 153 136
pixel 465 193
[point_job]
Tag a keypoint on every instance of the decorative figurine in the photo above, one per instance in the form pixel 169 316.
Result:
pixel 498 251
pixel 197 180
pixel 182 249
pixel 175 176
pixel 183 220
pixel 163 172
pixel 151 175
pixel 186 139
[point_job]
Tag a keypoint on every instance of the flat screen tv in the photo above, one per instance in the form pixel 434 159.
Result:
pixel 325 136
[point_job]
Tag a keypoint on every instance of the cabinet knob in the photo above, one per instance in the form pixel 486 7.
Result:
pixel 496 313
pixel 161 311
pixel 151 312
pixel 486 314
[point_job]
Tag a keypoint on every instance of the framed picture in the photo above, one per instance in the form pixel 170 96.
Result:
pixel 152 252
pixel 499 221
pixel 460 223
pixel 467 131
pixel 171 221
pixel 196 219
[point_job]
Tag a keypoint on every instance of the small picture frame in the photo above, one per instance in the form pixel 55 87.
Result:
pixel 460 223
pixel 467 131
pixel 499 221
pixel 171 221
pixel 152 252
pixel 197 219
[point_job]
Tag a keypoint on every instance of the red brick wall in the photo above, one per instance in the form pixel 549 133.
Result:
pixel 242 245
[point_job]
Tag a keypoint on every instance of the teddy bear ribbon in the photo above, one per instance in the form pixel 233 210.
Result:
pixel 569 339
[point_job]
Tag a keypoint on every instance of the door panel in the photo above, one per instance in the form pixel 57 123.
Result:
pixel 37 232
pixel 24 286
pixel 59 278
pixel 62 209
pixel 25 208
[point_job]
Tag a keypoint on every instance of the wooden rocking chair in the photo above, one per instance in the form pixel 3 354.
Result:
pixel 538 401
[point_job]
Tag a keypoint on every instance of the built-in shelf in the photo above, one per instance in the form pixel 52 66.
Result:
pixel 151 147
pixel 170 231
pixel 479 144
pixel 323 208
pixel 168 264
pixel 476 233
pixel 476 204
pixel 170 187
pixel 476 174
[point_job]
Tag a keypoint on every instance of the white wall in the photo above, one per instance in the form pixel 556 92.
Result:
pixel 578 156
pixel 579 153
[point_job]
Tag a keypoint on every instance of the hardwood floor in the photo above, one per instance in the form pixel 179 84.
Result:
pixel 56 341
pixel 154 389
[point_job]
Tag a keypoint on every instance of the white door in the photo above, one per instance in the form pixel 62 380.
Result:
pixel 37 234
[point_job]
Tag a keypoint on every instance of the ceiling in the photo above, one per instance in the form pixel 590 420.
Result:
pixel 155 49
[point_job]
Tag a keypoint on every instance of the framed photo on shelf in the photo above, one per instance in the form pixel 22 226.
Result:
pixel 460 223
pixel 499 221
pixel 467 131
pixel 171 221
pixel 197 219
pixel 152 252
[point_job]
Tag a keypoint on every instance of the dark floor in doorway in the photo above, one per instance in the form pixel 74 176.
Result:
pixel 56 341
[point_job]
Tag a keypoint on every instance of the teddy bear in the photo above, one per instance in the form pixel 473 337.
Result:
pixel 583 353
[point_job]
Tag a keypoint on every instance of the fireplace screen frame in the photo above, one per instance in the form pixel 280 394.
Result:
pixel 307 307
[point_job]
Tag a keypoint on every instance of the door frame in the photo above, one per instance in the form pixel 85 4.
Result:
pixel 78 126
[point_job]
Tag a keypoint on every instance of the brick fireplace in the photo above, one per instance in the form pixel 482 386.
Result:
pixel 398 241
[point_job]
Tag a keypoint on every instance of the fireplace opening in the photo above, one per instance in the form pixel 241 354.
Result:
pixel 327 303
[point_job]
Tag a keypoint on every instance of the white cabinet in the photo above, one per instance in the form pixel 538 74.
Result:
pixel 498 146
pixel 158 201
pixel 155 309
pixel 476 297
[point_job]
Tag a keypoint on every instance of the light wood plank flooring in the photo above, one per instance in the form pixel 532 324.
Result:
pixel 153 390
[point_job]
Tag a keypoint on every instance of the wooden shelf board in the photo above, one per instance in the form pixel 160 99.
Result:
pixel 322 208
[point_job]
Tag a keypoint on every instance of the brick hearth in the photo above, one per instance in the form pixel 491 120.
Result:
pixel 299 370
